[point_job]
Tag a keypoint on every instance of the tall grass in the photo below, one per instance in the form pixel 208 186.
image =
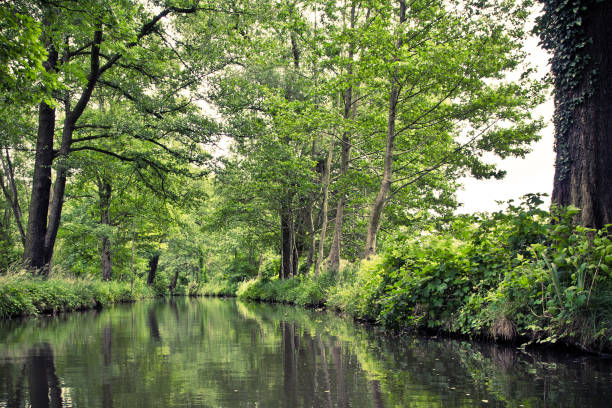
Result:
pixel 24 295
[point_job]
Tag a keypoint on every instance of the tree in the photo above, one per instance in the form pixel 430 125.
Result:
pixel 580 36
pixel 93 47
pixel 443 66
pixel 275 121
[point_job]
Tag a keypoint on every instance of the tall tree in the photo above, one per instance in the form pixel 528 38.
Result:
pixel 96 45
pixel 579 34
pixel 443 66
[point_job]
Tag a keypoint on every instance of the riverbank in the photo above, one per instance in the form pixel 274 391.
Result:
pixel 24 295
pixel 345 297
pixel 525 276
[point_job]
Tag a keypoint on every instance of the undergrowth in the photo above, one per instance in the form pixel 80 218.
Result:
pixel 24 295
pixel 521 274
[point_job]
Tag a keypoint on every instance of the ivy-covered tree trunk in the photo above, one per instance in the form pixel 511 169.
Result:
pixel 580 35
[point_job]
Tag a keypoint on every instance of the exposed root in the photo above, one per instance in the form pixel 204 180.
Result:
pixel 504 329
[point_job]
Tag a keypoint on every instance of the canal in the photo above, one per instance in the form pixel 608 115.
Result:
pixel 225 353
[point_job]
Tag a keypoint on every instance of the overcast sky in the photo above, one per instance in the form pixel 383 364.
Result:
pixel 533 174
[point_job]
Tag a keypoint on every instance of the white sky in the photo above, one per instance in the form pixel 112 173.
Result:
pixel 533 174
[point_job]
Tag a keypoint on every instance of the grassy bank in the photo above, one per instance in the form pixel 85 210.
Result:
pixel 524 275
pixel 23 295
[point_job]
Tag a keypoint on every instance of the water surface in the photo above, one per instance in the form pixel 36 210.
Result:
pixel 225 353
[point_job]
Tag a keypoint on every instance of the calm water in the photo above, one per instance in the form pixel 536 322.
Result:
pixel 223 353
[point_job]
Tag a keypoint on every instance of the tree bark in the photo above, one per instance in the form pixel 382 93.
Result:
pixel 326 173
pixel 385 185
pixel 104 192
pixel 583 168
pixel 312 239
pixel 295 254
pixel 132 259
pixel 34 249
pixel 173 282
pixel 12 195
pixel 259 262
pixel 72 116
pixel 287 243
pixel 333 260
pixel 153 262
pixel 40 239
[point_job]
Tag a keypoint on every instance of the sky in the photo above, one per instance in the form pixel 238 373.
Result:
pixel 533 174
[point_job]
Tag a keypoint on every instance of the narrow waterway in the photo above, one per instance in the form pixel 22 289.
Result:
pixel 225 353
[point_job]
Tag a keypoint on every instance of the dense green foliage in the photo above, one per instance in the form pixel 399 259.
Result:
pixel 23 296
pixel 507 276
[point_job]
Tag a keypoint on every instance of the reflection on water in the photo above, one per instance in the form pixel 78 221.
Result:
pixel 222 353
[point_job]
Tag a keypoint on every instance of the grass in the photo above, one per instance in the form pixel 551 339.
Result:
pixel 303 291
pixel 24 295
pixel 215 288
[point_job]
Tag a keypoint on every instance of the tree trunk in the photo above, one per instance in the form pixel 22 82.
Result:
pixel 132 258
pixel 153 262
pixel 173 282
pixel 295 255
pixel 583 168
pixel 259 262
pixel 105 191
pixel 308 220
pixel 333 260
pixel 326 173
pixel 40 239
pixel 385 185
pixel 55 213
pixel 12 195
pixel 286 243
pixel 34 250
pixel 312 239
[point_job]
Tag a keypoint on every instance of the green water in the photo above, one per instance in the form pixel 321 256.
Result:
pixel 224 353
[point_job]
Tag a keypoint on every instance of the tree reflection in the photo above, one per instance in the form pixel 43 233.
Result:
pixel 224 353
pixel 107 354
pixel 43 385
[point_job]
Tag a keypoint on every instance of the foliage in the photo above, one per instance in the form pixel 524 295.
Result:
pixel 22 75
pixel 21 295
pixel 216 288
pixel 520 274
pixel 302 291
